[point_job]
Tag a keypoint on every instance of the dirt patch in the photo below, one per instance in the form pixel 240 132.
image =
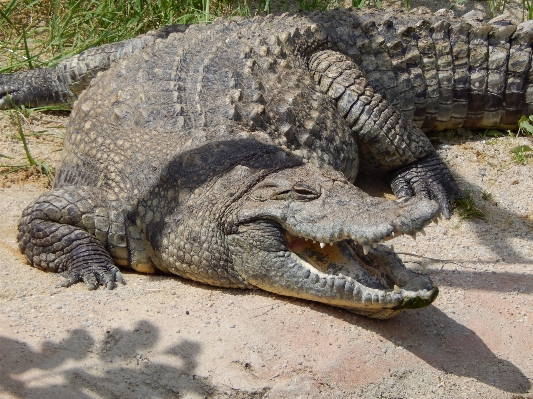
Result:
pixel 164 337
pixel 44 136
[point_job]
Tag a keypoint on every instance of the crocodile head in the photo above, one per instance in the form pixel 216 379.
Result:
pixel 307 232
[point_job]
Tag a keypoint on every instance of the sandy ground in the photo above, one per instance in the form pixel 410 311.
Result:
pixel 164 337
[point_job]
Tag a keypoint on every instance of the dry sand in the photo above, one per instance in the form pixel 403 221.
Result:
pixel 165 337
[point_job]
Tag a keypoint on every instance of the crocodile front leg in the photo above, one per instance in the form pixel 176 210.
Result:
pixel 383 133
pixel 428 177
pixel 53 236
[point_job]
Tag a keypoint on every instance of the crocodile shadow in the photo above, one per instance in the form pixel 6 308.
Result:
pixel 137 375
pixel 449 346
pixel 441 342
pixel 510 226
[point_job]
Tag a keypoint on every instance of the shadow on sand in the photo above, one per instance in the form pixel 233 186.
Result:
pixel 137 376
pixel 443 344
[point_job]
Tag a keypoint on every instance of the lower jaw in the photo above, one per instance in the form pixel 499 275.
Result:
pixel 381 289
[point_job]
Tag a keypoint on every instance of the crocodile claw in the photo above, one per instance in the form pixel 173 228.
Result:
pixel 91 264
pixel 94 277
pixel 428 177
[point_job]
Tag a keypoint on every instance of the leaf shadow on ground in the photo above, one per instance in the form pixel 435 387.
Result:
pixel 137 374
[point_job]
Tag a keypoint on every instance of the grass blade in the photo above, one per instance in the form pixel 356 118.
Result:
pixel 31 161
pixel 27 49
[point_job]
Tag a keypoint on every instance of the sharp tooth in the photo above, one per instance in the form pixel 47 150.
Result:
pixel 436 221
pixel 392 233
pixel 374 245
pixel 306 239
pixel 397 289
pixel 413 236
pixel 423 232
pixel 392 248
pixel 366 249
pixel 322 245
pixel 331 243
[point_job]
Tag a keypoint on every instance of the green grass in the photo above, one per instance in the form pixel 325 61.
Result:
pixel 486 196
pixel 41 33
pixel 521 154
pixel 527 10
pixel 467 208
pixel 525 126
pixel 16 114
pixel 496 7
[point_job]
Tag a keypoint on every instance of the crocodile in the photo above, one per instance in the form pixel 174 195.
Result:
pixel 227 153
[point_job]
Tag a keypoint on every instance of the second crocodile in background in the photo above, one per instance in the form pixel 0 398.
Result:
pixel 227 153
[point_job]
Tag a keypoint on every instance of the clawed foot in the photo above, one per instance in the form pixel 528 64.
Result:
pixel 92 265
pixel 94 278
pixel 428 177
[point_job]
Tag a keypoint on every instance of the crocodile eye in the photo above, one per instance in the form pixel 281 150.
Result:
pixel 306 192
pixel 283 190
pixel 299 192
pixel 270 189
pixel 295 194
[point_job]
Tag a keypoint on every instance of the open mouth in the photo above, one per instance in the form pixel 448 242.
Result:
pixel 330 249
pixel 382 285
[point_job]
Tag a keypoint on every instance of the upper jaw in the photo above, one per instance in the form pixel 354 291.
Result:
pixel 345 213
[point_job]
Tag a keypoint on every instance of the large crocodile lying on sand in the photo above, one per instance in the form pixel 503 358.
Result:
pixel 226 153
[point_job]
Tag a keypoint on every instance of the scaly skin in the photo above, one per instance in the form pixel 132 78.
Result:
pixel 216 152
pixel 426 71
pixel 243 224
pixel 440 71
pixel 66 81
